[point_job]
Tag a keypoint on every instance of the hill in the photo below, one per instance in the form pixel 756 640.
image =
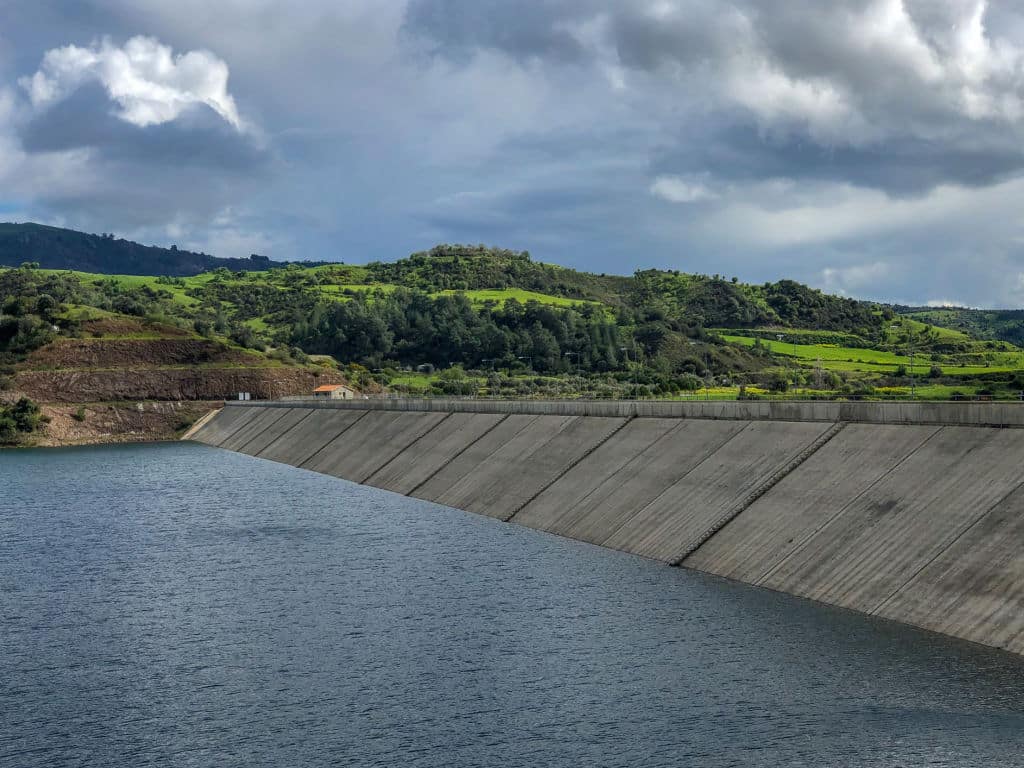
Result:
pixel 998 324
pixel 108 363
pixel 56 248
pixel 471 320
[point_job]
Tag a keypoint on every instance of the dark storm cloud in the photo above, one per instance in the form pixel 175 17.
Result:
pixel 86 120
pixel 853 91
pixel 741 152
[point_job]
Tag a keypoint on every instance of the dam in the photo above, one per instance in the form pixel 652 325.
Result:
pixel 912 512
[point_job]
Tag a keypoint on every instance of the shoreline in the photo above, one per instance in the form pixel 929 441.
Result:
pixel 72 425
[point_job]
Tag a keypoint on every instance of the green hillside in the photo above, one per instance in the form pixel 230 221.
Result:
pixel 57 248
pixel 495 321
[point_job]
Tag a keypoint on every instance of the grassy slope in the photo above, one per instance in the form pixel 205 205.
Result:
pixel 340 282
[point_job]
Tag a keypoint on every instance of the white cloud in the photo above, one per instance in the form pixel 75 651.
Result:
pixel 676 189
pixel 835 213
pixel 151 84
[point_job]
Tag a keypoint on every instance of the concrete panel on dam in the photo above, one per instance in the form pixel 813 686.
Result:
pixel 547 510
pixel 261 419
pixel 274 432
pixel 221 426
pixel 597 516
pixel 685 510
pixel 421 460
pixel 975 588
pixel 307 438
pixel 806 499
pixel 866 554
pixel 372 442
pixel 515 473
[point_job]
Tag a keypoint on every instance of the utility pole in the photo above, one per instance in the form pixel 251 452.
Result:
pixel 707 373
pixel 625 350
pixel 913 378
pixel 490 390
pixel 578 375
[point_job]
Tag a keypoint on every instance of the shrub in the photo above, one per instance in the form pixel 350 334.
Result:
pixel 79 415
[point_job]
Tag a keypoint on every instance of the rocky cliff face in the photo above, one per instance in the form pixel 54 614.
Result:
pixel 196 383
pixel 119 353
pixel 118 422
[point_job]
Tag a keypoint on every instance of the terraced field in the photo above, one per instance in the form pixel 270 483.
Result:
pixel 837 358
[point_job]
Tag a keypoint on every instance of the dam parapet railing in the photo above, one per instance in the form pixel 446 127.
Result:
pixel 970 414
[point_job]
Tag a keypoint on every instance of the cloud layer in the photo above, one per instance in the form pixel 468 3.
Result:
pixel 874 147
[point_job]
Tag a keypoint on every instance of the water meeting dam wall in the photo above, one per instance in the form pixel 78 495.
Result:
pixel 908 511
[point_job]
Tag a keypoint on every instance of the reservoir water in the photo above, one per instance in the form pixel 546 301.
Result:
pixel 176 605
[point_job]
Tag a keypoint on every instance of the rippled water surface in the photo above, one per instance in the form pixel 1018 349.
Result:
pixel 177 605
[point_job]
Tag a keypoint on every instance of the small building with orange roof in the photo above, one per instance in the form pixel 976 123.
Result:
pixel 334 392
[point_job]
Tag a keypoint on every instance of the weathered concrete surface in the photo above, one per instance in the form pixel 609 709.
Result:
pixel 975 588
pixel 616 500
pixel 225 421
pixel 461 465
pixel 310 436
pixel 424 457
pixel 784 518
pixel 274 432
pixel 550 509
pixel 873 547
pixel 919 523
pixel 512 475
pixel 253 428
pixel 686 508
pixel 372 442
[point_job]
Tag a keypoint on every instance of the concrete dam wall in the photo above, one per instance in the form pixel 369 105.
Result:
pixel 911 512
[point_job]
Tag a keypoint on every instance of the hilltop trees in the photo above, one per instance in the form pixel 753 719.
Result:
pixel 413 327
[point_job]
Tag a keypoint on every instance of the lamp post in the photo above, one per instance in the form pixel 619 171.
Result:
pixel 626 352
pixel 910 345
pixel 707 374
pixel 636 365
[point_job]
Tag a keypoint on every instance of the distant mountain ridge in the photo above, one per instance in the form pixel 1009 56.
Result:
pixel 57 248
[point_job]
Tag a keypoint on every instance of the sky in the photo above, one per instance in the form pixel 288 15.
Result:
pixel 873 148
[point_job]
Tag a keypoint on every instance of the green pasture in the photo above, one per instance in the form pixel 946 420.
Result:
pixel 835 358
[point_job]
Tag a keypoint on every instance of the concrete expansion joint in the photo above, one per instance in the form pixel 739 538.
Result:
pixel 618 428
pixel 770 482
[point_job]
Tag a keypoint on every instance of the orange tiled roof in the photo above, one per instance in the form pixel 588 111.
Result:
pixel 329 387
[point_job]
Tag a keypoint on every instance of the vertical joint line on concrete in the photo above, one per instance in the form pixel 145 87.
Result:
pixel 236 430
pixel 247 443
pixel 945 549
pixel 832 518
pixel 770 482
pixel 407 446
pixel 560 475
pixel 673 484
pixel 461 451
pixel 283 434
pixel 345 429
